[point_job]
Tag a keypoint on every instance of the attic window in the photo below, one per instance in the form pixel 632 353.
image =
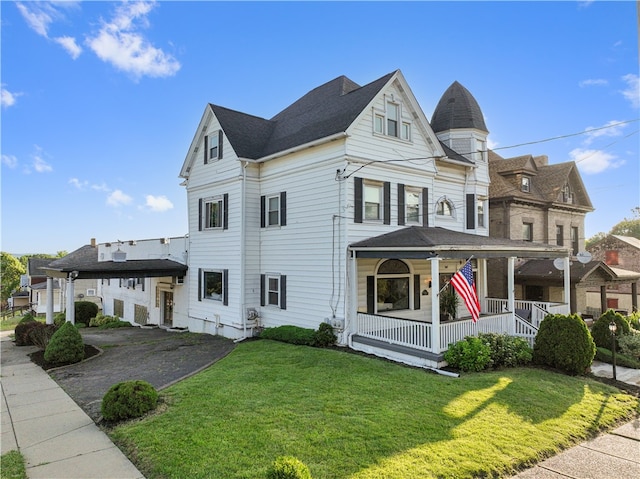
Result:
pixel 526 184
pixel 567 197
pixel 391 123
pixel 213 147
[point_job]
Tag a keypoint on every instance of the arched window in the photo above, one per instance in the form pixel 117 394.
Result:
pixel 392 286
pixel 444 207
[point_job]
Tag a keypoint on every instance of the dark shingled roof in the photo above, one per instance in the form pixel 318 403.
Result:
pixel 85 261
pixel 456 109
pixel 324 111
pixel 593 272
pixel 34 266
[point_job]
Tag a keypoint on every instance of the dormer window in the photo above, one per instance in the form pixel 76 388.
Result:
pixel 525 184
pixel 567 197
pixel 390 122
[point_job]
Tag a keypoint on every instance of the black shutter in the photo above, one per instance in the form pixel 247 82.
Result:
pixel 206 148
pixel 283 292
pixel 220 144
pixel 357 200
pixel 200 214
pixel 199 284
pixel 471 211
pixel 401 220
pixel 225 287
pixel 386 194
pixel 283 208
pixel 225 211
pixel 416 291
pixel 425 206
pixel 263 207
pixel 262 289
pixel 371 298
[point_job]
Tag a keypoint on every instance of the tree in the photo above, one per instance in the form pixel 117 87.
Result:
pixel 11 269
pixel 626 227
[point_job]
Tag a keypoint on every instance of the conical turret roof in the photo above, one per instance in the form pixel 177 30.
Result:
pixel 457 109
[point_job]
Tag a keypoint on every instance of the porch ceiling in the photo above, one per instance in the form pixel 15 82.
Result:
pixel 427 242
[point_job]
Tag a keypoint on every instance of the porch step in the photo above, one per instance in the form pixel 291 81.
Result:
pixel 396 348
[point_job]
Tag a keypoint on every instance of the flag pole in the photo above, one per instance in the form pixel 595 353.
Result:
pixel 449 280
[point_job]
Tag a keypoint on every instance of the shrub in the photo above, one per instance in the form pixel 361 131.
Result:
pixel 600 329
pixel 84 311
pixel 66 346
pixel 630 345
pixel 288 467
pixel 564 342
pixel 507 351
pixel 324 336
pixel 290 334
pixel 42 334
pixel 101 320
pixel 22 330
pixel 27 318
pixel 470 354
pixel 116 324
pixel 606 356
pixel 59 319
pixel 634 320
pixel 128 399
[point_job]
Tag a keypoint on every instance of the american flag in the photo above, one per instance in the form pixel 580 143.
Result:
pixel 463 283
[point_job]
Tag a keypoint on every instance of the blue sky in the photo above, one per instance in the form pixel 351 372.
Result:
pixel 100 100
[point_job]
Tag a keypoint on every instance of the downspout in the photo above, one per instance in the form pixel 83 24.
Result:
pixel 243 203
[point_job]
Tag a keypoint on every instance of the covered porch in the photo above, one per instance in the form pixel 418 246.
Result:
pixel 399 278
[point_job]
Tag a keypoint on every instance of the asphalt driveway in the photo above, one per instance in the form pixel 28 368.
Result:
pixel 155 355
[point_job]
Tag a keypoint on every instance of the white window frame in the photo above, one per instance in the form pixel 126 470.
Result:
pixel 526 184
pixel 208 203
pixel 452 209
pixel 216 296
pixel 481 214
pixel 408 193
pixel 213 154
pixel 270 212
pixel 382 121
pixel 372 187
pixel 269 292
pixel 91 292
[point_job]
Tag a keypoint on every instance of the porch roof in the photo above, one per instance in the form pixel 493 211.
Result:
pixel 427 242
pixel 85 262
pixel 591 273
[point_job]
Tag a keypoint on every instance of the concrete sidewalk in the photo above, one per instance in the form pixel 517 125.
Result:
pixel 55 436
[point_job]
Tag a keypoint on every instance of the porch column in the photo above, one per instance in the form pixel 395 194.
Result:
pixel 71 311
pixel 435 304
pixel 351 321
pixel 511 293
pixel 567 282
pixel 481 286
pixel 49 315
pixel 634 297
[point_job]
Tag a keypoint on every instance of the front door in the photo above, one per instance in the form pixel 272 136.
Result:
pixel 167 308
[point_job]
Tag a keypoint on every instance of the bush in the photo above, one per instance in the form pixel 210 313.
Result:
pixel 507 351
pixel 116 324
pixel 630 345
pixel 128 399
pixel 324 336
pixel 606 356
pixel 66 346
pixel 288 467
pixel 600 329
pixel 22 330
pixel 471 354
pixel 290 334
pixel 564 342
pixel 27 318
pixel 102 319
pixel 84 311
pixel 41 335
pixel 634 320
pixel 59 319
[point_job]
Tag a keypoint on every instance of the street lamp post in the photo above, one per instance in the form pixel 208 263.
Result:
pixel 613 328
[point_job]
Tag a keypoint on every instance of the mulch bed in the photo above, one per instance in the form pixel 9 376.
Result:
pixel 38 357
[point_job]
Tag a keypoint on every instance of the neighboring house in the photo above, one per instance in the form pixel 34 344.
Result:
pixel 532 200
pixel 622 255
pixel 36 284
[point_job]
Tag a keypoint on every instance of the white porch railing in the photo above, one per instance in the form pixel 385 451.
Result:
pixel 452 332
pixel 414 334
pixel 539 309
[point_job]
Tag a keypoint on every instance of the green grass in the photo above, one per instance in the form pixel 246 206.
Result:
pixel 9 324
pixel 12 466
pixel 350 416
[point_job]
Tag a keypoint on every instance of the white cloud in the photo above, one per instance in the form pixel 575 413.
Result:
pixel 81 185
pixel 632 92
pixel 120 43
pixel 8 98
pixel 100 187
pixel 158 203
pixel 40 165
pixel 70 45
pixel 118 198
pixel 593 82
pixel 594 161
pixel 491 144
pixel 38 15
pixel 10 160
pixel 609 129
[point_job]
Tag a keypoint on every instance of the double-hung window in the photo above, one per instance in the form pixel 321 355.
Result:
pixel 527 231
pixel 213 212
pixel 213 147
pixel 273 290
pixel 481 215
pixel 412 205
pixel 372 201
pixel 560 235
pixel 212 285
pixel 575 240
pixel 393 113
pixel 525 184
pixel 390 122
pixel 273 210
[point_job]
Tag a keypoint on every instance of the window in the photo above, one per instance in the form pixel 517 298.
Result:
pixel 412 205
pixel 393 111
pixel 444 207
pixel 118 308
pixel 611 257
pixel 390 122
pixel 213 285
pixel 273 210
pixel 372 201
pixel 406 131
pixel 481 217
pixel 213 212
pixel 567 197
pixel 559 235
pixel 91 292
pixel 213 147
pixel 527 231
pixel 575 240
pixel 273 289
pixel 526 184
pixel 378 124
pixel 392 286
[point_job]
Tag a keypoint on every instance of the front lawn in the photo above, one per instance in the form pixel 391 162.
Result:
pixel 349 416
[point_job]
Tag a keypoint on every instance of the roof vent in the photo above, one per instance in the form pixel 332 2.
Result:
pixel 119 256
